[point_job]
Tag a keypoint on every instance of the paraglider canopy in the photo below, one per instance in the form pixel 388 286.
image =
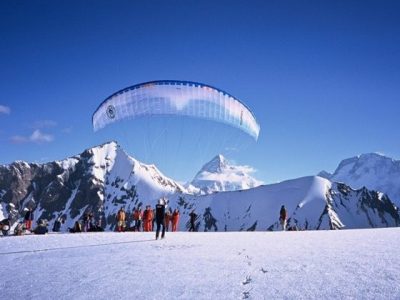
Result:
pixel 172 97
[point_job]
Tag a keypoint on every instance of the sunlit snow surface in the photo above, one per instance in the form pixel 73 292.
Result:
pixel 361 264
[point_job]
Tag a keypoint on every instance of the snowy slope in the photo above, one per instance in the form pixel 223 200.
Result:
pixel 374 171
pixel 218 175
pixel 353 264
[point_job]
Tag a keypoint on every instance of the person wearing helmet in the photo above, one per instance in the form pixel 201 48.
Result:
pixel 160 218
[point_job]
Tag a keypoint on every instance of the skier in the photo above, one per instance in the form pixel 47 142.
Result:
pixel 282 217
pixel 175 219
pixel 28 219
pixel 137 217
pixel 121 219
pixel 168 218
pixel 160 218
pixel 193 217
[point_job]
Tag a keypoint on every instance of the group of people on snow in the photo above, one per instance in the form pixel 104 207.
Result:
pixel 144 220
pixel 87 224
pixel 164 218
pixel 21 228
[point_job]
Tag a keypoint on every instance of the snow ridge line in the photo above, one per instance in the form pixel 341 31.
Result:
pixel 74 247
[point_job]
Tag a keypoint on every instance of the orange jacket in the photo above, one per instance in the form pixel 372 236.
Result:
pixel 175 217
pixel 147 215
pixel 137 215
pixel 150 215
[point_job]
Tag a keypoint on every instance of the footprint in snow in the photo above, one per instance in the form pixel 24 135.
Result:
pixel 240 252
pixel 248 260
pixel 247 281
pixel 246 295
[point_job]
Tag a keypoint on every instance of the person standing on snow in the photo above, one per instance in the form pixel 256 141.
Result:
pixel 86 222
pixel 57 224
pixel 175 219
pixel 160 218
pixel 152 218
pixel 168 218
pixel 146 219
pixel 28 219
pixel 282 217
pixel 193 217
pixel 121 217
pixel 77 228
pixel 137 217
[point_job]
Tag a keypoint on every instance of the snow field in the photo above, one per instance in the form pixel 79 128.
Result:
pixel 348 264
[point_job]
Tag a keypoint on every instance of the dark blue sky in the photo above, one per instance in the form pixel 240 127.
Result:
pixel 322 77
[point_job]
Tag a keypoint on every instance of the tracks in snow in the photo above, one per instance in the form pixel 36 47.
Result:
pixel 251 273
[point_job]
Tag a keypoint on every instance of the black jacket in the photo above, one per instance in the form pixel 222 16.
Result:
pixel 40 230
pixel 29 215
pixel 283 213
pixel 57 226
pixel 160 213
pixel 193 217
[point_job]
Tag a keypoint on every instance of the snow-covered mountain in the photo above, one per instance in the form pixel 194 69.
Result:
pixel 311 202
pixel 372 170
pixel 99 180
pixel 218 175
pixel 104 178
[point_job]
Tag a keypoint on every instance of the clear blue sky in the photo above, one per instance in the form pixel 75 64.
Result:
pixel 323 77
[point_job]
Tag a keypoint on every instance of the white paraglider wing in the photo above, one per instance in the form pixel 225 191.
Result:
pixel 176 98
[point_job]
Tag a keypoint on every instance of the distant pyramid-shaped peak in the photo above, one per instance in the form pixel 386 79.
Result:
pixel 216 165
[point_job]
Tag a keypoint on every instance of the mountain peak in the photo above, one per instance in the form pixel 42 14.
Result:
pixel 216 165
pixel 220 175
pixel 324 174
pixel 112 144
pixel 372 170
pixel 375 156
